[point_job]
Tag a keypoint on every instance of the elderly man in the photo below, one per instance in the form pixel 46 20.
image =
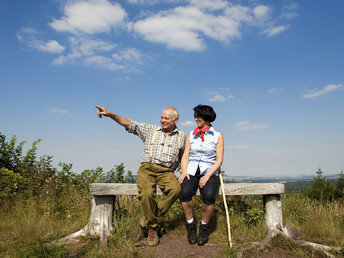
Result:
pixel 163 149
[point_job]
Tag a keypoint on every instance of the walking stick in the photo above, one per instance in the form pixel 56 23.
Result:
pixel 227 214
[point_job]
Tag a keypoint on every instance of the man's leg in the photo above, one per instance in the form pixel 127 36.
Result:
pixel 170 187
pixel 146 183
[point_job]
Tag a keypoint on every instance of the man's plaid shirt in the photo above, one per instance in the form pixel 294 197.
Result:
pixel 165 148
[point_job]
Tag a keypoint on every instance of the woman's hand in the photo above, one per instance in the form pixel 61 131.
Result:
pixel 204 179
pixel 182 176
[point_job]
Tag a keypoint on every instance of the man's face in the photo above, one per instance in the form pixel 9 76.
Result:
pixel 167 120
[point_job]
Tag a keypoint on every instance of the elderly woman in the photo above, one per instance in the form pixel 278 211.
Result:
pixel 200 166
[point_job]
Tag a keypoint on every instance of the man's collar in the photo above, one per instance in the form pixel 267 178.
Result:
pixel 176 130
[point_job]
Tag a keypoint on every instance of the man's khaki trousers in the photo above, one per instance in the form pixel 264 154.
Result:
pixel 148 176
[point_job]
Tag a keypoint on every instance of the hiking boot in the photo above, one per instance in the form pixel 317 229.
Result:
pixel 153 238
pixel 143 225
pixel 203 234
pixel 192 232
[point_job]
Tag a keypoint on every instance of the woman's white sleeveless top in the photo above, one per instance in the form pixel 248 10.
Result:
pixel 202 154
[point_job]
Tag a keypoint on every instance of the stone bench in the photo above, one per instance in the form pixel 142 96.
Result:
pixel 104 195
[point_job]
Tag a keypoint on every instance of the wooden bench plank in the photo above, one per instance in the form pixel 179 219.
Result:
pixel 230 189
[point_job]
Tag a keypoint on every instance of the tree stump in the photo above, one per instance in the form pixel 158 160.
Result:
pixel 100 223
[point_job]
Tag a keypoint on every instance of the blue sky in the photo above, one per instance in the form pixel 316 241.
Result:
pixel 272 70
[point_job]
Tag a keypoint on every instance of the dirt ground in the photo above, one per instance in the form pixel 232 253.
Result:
pixel 177 246
pixel 172 246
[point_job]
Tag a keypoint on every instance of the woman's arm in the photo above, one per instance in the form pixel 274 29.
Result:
pixel 217 164
pixel 184 161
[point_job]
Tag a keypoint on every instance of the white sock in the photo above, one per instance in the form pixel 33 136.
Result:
pixel 190 221
pixel 203 223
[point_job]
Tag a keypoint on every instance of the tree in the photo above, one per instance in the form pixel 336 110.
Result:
pixel 339 188
pixel 321 188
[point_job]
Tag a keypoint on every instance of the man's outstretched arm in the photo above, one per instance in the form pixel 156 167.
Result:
pixel 119 119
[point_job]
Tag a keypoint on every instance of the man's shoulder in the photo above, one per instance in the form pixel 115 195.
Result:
pixel 143 124
pixel 181 133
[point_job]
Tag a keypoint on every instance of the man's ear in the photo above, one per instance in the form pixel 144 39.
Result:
pixel 176 121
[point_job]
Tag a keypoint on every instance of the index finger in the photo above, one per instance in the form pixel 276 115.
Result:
pixel 99 107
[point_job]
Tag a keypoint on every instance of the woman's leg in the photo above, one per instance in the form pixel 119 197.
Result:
pixel 208 192
pixel 188 190
pixel 207 211
pixel 188 210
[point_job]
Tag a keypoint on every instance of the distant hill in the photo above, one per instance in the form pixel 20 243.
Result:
pixel 292 184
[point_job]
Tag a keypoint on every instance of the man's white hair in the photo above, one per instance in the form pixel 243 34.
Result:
pixel 175 112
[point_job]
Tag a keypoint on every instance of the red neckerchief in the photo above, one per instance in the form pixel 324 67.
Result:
pixel 201 131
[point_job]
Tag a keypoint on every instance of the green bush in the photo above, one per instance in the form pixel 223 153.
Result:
pixel 9 183
pixel 321 188
pixel 294 207
pixel 339 188
pixel 253 216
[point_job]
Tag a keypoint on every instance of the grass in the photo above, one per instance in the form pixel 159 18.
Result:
pixel 25 225
pixel 320 223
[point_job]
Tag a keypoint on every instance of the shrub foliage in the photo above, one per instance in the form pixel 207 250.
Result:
pixel 26 174
pixel 323 190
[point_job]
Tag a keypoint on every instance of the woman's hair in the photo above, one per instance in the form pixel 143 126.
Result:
pixel 205 112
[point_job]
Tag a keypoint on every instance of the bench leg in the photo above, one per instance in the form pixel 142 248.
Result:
pixel 100 223
pixel 273 212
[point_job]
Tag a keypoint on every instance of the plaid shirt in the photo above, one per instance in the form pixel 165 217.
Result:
pixel 165 147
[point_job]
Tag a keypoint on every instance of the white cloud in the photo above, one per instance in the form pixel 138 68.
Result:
pixel 327 89
pixel 274 30
pixel 58 111
pixel 152 2
pixel 29 36
pixel 209 4
pixel 83 47
pixel 188 123
pixel 91 46
pixel 273 90
pixel 90 16
pixel 186 27
pixel 102 62
pixel 24 32
pixel 51 46
pixel 217 98
pixel 262 12
pixel 231 96
pixel 247 125
pixel 129 55
pixel 100 54
pixel 238 147
pixel 289 11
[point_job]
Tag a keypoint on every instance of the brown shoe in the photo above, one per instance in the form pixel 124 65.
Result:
pixel 143 221
pixel 143 225
pixel 153 238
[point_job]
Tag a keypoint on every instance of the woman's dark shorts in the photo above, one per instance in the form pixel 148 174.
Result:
pixel 208 192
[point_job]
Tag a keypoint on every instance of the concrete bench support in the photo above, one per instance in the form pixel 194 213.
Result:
pixel 273 212
pixel 100 223
pixel 104 194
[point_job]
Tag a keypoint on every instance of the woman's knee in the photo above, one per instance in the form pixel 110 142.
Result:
pixel 185 194
pixel 208 198
pixel 209 195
